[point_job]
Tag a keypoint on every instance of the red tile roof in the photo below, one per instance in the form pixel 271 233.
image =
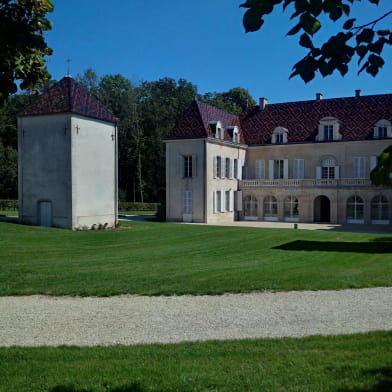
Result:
pixel 196 119
pixel 357 117
pixel 68 96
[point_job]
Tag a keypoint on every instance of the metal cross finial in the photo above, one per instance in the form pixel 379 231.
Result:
pixel 69 66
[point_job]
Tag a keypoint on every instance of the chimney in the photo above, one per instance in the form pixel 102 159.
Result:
pixel 358 93
pixel 319 96
pixel 263 103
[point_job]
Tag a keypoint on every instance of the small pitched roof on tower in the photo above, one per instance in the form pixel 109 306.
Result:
pixel 68 96
pixel 195 123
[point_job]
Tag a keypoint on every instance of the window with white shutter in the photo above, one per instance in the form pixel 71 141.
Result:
pixel 227 167
pixel 299 168
pixel 260 169
pixel 359 167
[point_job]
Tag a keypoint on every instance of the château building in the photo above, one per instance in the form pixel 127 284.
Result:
pixel 307 161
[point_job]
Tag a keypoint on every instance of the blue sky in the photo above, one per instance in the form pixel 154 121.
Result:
pixel 201 41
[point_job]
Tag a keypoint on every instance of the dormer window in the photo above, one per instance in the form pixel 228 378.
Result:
pixel 382 130
pixel 328 130
pixel 279 135
pixel 234 133
pixel 217 129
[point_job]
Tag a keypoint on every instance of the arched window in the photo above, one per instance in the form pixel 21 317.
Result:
pixel 355 208
pixel 383 129
pixel 270 209
pixel 291 209
pixel 380 210
pixel 279 135
pixel 250 208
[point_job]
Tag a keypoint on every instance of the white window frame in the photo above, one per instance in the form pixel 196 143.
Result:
pixel 382 124
pixel 279 135
pixel 187 202
pixel 328 122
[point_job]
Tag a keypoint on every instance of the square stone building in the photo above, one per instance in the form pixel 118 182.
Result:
pixel 67 144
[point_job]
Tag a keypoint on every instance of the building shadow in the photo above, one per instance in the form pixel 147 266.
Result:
pixel 135 387
pixel 383 383
pixel 381 245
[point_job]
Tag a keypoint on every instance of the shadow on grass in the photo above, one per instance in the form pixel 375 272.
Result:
pixel 135 387
pixel 376 246
pixel 383 383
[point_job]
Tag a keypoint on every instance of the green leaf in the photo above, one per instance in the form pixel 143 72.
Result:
pixel 305 41
pixel 366 35
pixel 310 24
pixel 295 29
pixel 383 32
pixel 348 24
pixel 335 14
pixel 252 21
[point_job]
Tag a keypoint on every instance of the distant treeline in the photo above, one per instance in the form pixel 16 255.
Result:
pixel 147 111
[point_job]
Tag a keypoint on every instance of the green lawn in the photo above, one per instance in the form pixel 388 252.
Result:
pixel 161 258
pixel 361 363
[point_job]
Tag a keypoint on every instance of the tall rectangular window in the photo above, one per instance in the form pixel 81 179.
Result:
pixel 188 166
pixel 328 172
pixel 227 200
pixel 218 167
pixel 218 201
pixel 279 169
pixel 235 168
pixel 359 167
pixel 228 168
pixel 328 132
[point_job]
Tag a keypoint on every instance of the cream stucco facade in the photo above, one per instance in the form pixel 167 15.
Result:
pixel 326 179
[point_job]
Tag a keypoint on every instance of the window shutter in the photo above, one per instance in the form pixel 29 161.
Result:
pixel 298 171
pixel 239 200
pixel 214 202
pixel 318 172
pixel 231 201
pixel 286 169
pixel 271 169
pixel 223 167
pixel 240 163
pixel 223 194
pixel 180 166
pixel 260 169
pixel 373 162
pixel 215 165
pixel 194 165
pixel 337 174
pixel 301 171
pixel 232 174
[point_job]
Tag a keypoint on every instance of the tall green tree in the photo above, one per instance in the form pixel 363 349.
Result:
pixel 161 103
pixel 8 146
pixel 22 44
pixel 364 42
pixel 382 173
pixel 233 101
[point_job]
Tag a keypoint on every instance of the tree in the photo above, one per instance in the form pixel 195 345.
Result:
pixel 22 44
pixel 382 173
pixel 365 42
pixel 233 101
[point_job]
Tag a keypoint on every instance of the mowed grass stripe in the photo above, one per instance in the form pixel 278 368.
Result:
pixel 159 258
pixel 360 362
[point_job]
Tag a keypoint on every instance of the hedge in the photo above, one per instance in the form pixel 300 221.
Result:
pixel 122 206
pixel 8 204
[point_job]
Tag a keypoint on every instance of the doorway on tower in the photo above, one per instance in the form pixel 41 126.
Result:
pixel 322 209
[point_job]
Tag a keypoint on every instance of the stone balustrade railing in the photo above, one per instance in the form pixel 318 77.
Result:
pixel 324 182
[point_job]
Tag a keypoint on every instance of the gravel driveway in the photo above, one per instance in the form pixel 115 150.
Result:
pixel 53 321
